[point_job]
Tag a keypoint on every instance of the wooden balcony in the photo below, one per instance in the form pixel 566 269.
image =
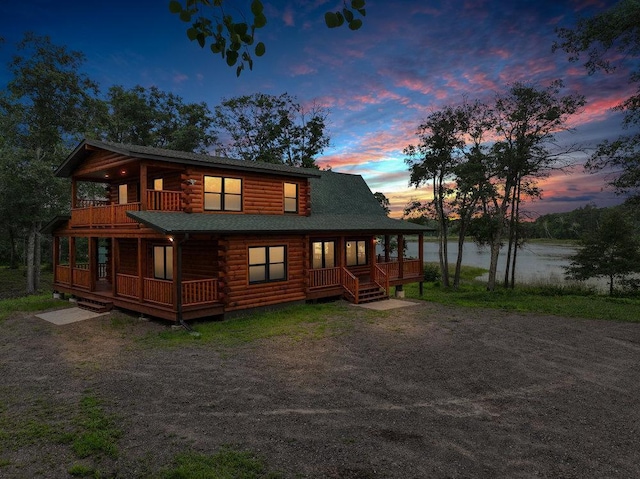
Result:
pixel 100 214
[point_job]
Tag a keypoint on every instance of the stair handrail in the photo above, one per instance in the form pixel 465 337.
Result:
pixel 381 279
pixel 350 283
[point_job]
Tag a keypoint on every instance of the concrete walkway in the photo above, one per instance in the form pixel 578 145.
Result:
pixel 388 304
pixel 68 316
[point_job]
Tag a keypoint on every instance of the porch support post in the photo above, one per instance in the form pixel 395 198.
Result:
pixel 387 248
pixel 115 262
pixel 372 255
pixel 143 186
pixel 341 251
pixel 56 257
pixel 177 276
pixel 72 258
pixel 421 259
pixel 401 256
pixel 142 254
pixel 93 262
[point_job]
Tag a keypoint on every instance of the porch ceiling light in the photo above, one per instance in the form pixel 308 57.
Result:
pixel 171 238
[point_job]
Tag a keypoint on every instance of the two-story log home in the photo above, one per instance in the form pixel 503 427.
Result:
pixel 183 236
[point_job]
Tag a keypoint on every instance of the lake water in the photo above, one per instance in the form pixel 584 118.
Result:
pixel 536 262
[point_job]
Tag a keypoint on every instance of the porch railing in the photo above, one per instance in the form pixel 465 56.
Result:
pixel 411 268
pixel 350 282
pixel 63 274
pixel 194 292
pixel 81 277
pixel 381 278
pixel 164 200
pixel 127 285
pixel 325 277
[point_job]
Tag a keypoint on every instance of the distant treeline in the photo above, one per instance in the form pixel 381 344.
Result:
pixel 573 225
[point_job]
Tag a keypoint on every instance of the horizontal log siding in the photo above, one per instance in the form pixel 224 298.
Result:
pixel 241 295
pixel 200 260
pixel 261 194
pixel 128 256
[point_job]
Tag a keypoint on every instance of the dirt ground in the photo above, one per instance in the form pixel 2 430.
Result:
pixel 427 391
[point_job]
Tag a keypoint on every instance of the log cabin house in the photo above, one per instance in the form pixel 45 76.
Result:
pixel 181 236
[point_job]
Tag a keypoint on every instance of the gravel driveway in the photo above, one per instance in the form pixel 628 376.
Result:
pixel 422 392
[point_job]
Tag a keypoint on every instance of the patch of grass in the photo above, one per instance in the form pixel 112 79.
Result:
pixel 97 433
pixel 39 302
pixel 296 322
pixel 4 462
pixel 228 463
pixel 14 281
pixel 81 470
pixel 569 301
pixel 41 421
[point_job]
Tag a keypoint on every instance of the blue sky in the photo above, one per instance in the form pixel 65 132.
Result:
pixel 409 59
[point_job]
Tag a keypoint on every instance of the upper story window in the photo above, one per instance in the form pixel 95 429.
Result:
pixel 222 194
pixel 122 194
pixel 356 253
pixel 290 197
pixel 158 184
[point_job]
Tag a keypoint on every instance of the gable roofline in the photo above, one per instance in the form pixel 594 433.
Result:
pixel 84 149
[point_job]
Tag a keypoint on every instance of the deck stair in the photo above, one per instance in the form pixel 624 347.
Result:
pixel 369 292
pixel 95 305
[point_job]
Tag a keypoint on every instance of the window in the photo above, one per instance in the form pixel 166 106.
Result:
pixel 163 262
pixel 323 253
pixel 290 198
pixel 356 253
pixel 122 194
pixel 222 194
pixel 158 184
pixel 267 263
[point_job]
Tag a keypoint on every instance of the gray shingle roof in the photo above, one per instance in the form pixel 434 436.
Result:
pixel 339 202
pixel 161 154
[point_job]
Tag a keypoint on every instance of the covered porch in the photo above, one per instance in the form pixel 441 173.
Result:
pixel 138 274
pixel 363 275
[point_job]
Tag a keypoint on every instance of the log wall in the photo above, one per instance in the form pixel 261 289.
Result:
pixel 260 194
pixel 239 294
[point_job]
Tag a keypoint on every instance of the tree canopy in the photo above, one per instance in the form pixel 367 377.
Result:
pixel 151 117
pixel 610 40
pixel 611 250
pixel 214 22
pixel 273 129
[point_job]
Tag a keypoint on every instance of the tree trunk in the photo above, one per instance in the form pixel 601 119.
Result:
pixel 37 257
pixel 31 244
pixel 493 263
pixel 13 261
pixel 516 237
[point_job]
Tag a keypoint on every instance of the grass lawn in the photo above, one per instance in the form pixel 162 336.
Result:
pixel 571 300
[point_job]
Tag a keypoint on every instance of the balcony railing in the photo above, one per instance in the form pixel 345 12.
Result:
pixel 100 213
pixel 164 200
pixel 112 214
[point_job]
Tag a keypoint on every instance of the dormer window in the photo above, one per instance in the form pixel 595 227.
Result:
pixel 222 194
pixel 290 197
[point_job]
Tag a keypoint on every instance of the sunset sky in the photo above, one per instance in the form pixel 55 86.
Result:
pixel 410 58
